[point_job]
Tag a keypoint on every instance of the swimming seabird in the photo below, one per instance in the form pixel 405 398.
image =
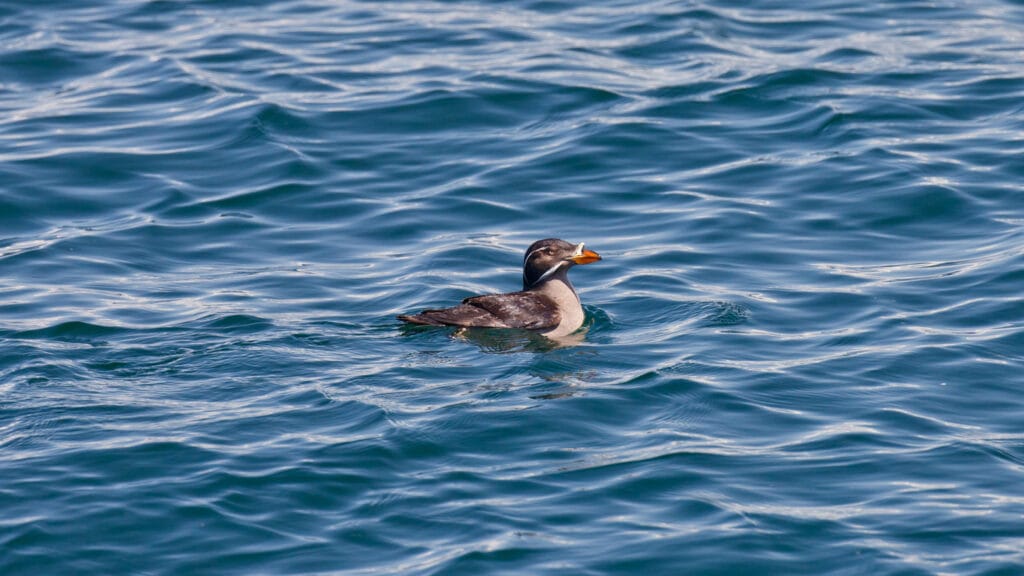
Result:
pixel 547 304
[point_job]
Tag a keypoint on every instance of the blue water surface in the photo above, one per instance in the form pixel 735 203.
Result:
pixel 804 348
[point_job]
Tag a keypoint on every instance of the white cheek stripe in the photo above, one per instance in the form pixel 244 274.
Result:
pixel 550 271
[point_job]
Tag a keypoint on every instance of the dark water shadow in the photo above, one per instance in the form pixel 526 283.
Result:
pixel 505 340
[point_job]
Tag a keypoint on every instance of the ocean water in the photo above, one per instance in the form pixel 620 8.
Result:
pixel 804 348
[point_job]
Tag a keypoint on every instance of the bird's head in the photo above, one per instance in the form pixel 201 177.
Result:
pixel 551 256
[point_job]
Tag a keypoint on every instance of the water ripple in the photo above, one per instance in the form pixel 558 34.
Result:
pixel 802 345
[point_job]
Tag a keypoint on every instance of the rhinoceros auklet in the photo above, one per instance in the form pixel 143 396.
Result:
pixel 547 304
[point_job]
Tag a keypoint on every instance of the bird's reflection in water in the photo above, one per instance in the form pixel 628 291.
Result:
pixel 503 340
pixel 559 363
pixel 557 360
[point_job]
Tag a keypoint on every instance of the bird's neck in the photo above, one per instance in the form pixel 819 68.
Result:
pixel 558 288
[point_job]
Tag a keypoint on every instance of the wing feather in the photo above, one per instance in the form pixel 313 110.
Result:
pixel 526 310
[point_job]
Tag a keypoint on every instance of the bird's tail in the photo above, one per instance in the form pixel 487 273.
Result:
pixel 420 319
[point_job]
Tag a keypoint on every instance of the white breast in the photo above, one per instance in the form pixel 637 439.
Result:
pixel 569 306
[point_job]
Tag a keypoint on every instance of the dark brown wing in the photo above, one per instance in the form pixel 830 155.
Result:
pixel 461 315
pixel 526 310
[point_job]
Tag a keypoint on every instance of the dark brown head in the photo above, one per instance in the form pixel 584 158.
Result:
pixel 551 257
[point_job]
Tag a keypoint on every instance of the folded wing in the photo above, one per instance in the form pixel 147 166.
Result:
pixel 526 310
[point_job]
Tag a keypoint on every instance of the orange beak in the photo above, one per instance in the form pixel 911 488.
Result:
pixel 586 257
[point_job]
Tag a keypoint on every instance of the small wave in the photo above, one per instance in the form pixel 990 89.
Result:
pixel 72 331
